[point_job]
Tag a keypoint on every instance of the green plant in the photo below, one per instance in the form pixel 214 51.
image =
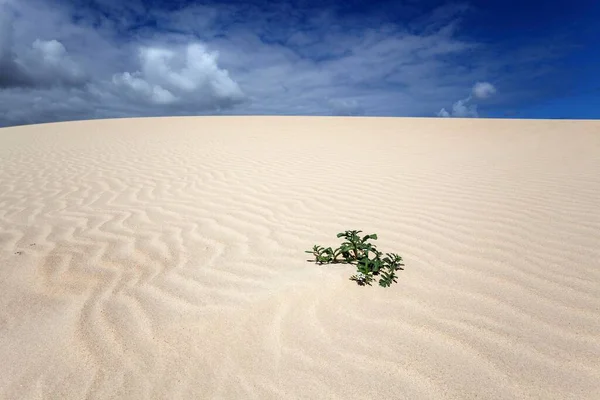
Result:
pixel 368 261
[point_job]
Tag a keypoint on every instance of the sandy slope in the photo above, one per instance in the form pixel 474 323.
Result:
pixel 164 258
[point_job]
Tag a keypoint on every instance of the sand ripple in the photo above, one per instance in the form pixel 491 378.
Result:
pixel 164 258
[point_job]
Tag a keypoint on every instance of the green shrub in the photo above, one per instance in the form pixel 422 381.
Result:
pixel 365 256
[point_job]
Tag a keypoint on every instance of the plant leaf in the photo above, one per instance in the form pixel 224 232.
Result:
pixel 367 237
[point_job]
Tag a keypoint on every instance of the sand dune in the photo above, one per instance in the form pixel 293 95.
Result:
pixel 164 258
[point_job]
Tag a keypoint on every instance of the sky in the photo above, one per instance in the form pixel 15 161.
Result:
pixel 88 59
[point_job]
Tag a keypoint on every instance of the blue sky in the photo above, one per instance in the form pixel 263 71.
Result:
pixel 87 59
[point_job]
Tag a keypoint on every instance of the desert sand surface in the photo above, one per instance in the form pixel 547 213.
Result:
pixel 163 258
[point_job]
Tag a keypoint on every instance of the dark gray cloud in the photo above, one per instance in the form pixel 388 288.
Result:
pixel 45 63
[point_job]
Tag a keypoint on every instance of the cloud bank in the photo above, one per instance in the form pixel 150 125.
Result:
pixel 107 58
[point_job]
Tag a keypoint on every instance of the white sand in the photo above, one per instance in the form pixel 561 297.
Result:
pixel 164 258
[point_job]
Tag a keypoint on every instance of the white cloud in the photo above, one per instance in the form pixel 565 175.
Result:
pixel 463 108
pixel 483 90
pixel 189 74
pixel 443 113
pixel 460 109
pixel 138 86
pixel 51 51
pixel 49 63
